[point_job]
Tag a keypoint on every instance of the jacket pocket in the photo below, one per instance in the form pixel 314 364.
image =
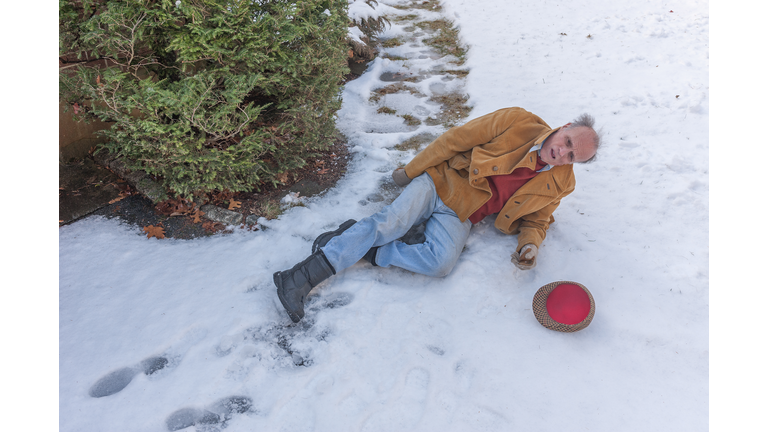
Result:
pixel 460 161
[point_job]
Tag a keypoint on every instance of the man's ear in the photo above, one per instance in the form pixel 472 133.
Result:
pixel 566 125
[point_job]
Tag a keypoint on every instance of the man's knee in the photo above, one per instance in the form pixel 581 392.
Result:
pixel 442 267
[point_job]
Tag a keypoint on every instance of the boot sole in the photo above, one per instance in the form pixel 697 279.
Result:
pixel 278 282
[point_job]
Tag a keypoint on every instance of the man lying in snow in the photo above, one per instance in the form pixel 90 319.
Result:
pixel 508 162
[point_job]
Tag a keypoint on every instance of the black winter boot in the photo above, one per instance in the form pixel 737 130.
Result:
pixel 370 256
pixel 294 285
pixel 325 237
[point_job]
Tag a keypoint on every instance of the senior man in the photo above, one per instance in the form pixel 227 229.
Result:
pixel 508 162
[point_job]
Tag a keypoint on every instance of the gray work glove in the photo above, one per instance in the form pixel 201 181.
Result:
pixel 526 259
pixel 400 177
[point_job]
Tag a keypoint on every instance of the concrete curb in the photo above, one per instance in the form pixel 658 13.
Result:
pixel 138 179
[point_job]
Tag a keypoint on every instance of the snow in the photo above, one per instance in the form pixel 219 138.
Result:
pixel 385 349
pixel 360 10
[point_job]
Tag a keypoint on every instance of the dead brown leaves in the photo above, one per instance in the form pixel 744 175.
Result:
pixel 120 197
pixel 321 164
pixel 196 216
pixel 155 231
pixel 213 227
pixel 175 207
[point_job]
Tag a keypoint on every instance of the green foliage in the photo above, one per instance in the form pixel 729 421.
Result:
pixel 207 94
pixel 370 26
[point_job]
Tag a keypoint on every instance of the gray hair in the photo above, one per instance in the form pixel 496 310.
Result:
pixel 586 120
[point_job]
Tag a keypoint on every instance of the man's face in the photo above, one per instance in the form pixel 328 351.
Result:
pixel 568 145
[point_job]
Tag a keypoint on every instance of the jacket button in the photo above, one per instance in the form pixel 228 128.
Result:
pixel 496 168
pixel 475 171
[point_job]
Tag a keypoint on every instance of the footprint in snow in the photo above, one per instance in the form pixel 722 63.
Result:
pixel 212 418
pixel 117 380
pixel 297 340
pixel 406 412
pixel 330 301
pixel 279 345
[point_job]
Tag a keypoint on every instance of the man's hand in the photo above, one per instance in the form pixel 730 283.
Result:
pixel 400 177
pixel 526 259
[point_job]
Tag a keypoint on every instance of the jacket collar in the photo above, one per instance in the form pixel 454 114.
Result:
pixel 546 135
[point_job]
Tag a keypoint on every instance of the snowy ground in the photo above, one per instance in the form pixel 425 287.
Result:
pixel 385 349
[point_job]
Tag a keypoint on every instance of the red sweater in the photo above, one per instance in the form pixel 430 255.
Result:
pixel 503 187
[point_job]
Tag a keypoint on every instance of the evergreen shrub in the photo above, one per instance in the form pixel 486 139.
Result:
pixel 207 94
pixel 370 23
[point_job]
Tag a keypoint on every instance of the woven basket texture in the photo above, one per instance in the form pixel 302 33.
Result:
pixel 540 309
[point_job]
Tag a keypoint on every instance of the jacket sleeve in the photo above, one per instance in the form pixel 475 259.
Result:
pixel 463 138
pixel 533 227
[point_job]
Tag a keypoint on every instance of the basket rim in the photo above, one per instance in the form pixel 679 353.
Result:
pixel 540 310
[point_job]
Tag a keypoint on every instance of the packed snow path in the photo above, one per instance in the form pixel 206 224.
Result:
pixel 160 335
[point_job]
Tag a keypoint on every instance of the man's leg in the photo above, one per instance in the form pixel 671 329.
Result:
pixel 445 235
pixel 415 204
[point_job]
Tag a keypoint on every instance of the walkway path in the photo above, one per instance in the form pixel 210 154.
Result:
pixel 413 91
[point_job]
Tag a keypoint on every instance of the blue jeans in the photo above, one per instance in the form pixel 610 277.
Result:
pixel 419 202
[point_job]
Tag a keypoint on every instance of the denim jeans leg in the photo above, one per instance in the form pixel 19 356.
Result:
pixel 445 235
pixel 415 204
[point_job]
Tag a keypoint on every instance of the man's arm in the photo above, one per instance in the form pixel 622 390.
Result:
pixel 533 227
pixel 463 138
pixel 533 230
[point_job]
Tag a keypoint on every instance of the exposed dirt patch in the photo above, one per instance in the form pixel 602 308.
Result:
pixel 445 39
pixel 391 43
pixel 411 120
pixel 182 219
pixel 453 109
pixel 432 5
pixel 392 57
pixel 417 142
pixel 391 89
pixel 403 18
pixel 386 110
pixel 459 73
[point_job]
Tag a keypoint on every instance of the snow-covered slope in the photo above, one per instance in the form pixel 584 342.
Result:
pixel 385 349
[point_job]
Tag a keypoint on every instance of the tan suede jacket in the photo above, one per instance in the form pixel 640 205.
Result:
pixel 495 144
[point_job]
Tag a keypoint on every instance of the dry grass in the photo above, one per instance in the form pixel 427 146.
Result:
pixel 393 57
pixel 394 42
pixel 402 18
pixel 411 120
pixel 446 39
pixel 414 79
pixel 458 73
pixel 270 209
pixel 432 5
pixel 453 107
pixel 417 142
pixel 391 89
pixel 386 110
